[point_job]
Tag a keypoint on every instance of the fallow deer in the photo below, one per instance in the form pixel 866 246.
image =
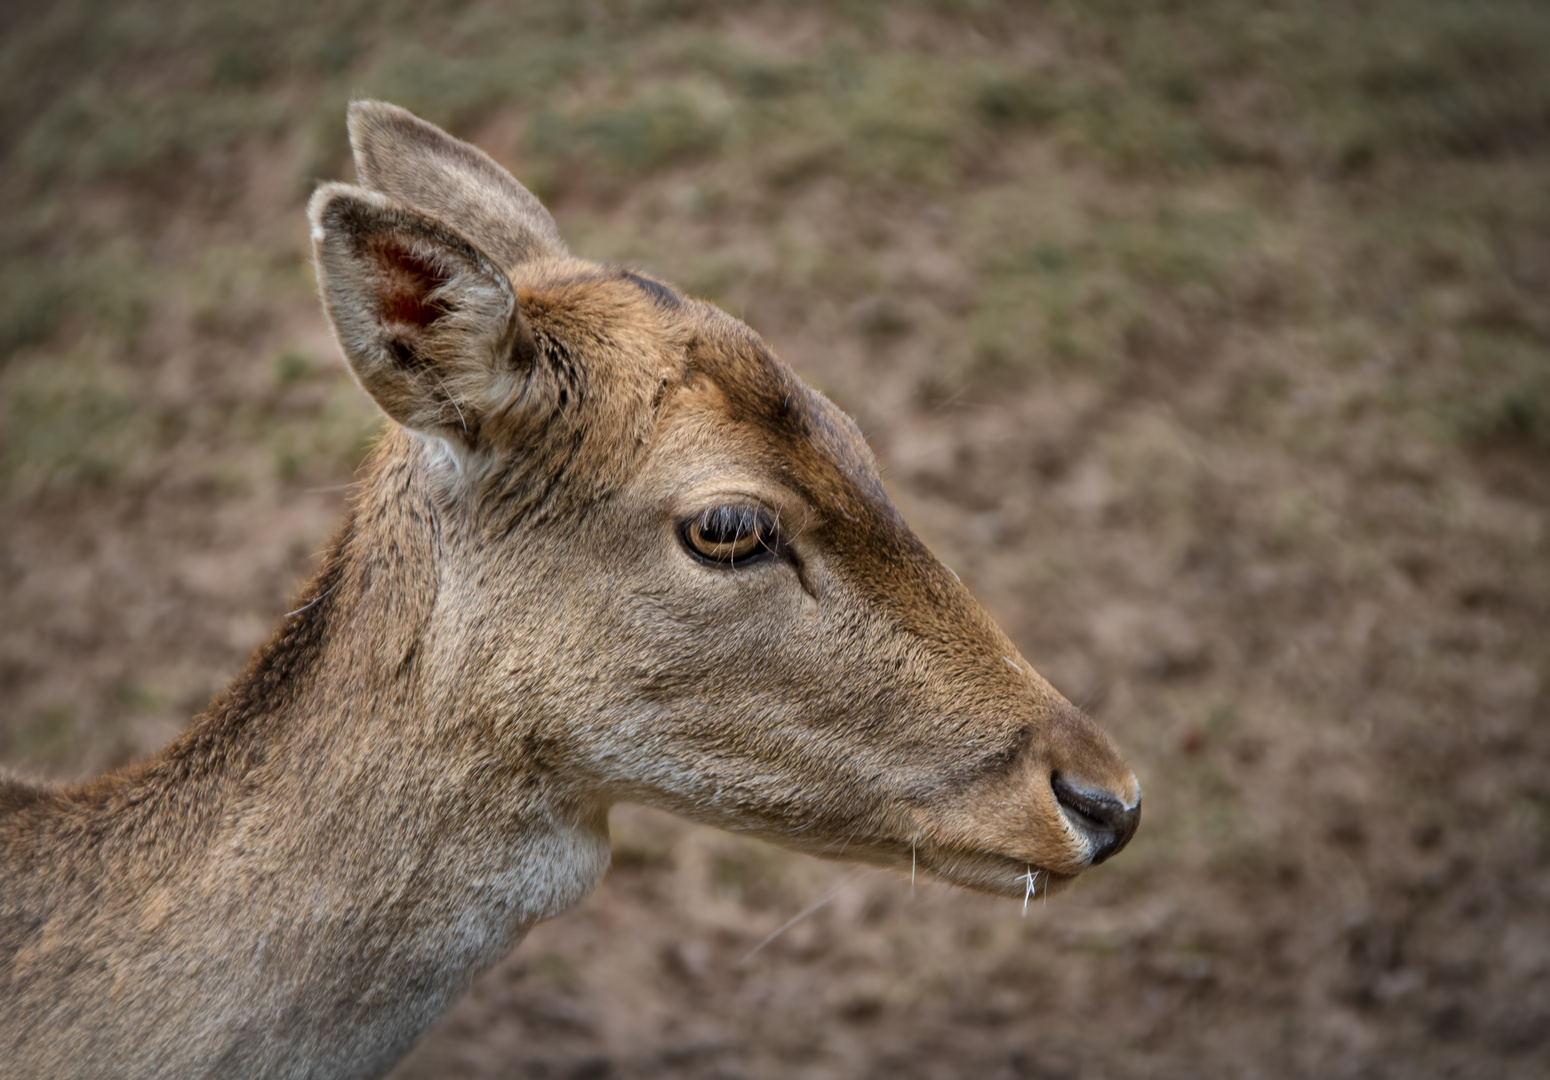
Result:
pixel 608 548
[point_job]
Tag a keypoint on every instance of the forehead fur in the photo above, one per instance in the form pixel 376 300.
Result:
pixel 632 346
pixel 810 436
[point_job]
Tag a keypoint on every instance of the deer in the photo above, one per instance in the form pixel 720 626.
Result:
pixel 609 548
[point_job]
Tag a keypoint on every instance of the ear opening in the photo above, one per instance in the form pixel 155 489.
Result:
pixel 429 326
pixel 409 298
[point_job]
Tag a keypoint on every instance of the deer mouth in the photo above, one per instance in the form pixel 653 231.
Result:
pixel 1082 825
pixel 999 875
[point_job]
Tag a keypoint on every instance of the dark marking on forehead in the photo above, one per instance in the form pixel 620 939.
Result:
pixel 761 391
pixel 664 296
pixel 837 435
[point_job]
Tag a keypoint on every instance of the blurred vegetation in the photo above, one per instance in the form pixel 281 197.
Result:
pixel 1404 120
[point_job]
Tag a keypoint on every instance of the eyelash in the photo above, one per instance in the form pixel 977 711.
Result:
pixel 730 536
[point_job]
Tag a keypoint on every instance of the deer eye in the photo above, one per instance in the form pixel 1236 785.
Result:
pixel 730 535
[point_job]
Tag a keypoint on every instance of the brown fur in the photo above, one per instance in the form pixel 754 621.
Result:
pixel 506 637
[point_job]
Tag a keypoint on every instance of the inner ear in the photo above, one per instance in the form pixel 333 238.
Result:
pixel 408 286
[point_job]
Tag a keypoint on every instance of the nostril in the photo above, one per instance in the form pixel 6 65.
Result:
pixel 1106 822
pixel 1091 809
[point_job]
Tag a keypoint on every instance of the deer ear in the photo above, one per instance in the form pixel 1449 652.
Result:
pixel 429 325
pixel 420 165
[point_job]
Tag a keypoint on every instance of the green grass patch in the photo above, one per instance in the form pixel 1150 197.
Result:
pixel 32 305
pixel 330 438
pixel 91 134
pixel 1094 304
pixel 72 419
pixel 663 126
pixel 1152 86
pixel 1502 391
pixel 47 736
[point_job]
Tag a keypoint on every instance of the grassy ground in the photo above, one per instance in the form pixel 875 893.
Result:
pixel 1207 341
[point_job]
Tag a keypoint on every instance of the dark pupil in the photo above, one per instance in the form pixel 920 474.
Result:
pixel 728 524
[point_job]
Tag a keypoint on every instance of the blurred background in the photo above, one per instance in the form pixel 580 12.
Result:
pixel 1207 341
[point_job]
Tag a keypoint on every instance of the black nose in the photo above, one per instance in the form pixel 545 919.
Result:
pixel 1099 815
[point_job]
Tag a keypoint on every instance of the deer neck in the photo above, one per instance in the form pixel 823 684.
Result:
pixel 331 853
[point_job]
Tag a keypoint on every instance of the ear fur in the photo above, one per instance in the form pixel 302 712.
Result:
pixel 420 165
pixel 429 326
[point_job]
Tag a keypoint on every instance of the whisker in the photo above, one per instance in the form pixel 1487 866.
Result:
pixel 453 402
pixel 843 884
pixel 316 600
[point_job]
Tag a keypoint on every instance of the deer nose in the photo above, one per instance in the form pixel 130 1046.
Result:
pixel 1098 816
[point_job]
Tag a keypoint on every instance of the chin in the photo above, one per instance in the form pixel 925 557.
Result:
pixel 996 875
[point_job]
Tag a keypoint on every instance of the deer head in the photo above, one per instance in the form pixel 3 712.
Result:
pixel 673 571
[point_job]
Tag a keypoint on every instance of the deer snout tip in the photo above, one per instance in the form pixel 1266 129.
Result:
pixel 1104 819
